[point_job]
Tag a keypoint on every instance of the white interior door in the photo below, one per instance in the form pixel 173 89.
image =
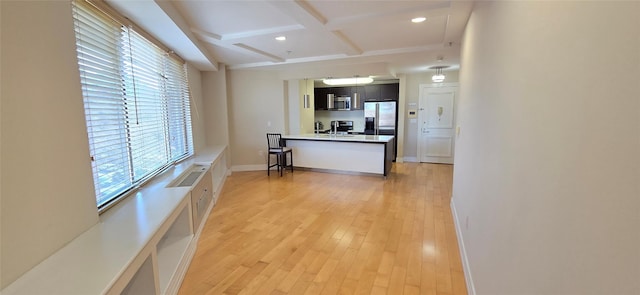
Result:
pixel 436 134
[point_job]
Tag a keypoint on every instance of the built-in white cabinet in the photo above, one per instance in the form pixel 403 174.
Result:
pixel 141 246
pixel 171 250
pixel 219 168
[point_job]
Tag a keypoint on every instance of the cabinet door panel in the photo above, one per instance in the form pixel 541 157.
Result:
pixel 389 91
pixel 341 91
pixel 371 92
pixel 320 98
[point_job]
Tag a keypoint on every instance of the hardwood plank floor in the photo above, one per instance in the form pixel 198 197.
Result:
pixel 321 233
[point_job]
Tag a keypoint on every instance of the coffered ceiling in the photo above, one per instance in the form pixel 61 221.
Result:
pixel 319 33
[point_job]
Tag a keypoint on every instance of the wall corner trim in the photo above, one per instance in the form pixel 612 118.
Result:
pixel 410 159
pixel 463 252
pixel 239 168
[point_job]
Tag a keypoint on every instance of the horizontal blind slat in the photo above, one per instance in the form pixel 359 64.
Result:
pixel 136 103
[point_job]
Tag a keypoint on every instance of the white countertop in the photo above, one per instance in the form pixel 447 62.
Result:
pixel 346 137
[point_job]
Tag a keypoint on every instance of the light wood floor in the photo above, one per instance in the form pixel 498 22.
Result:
pixel 321 233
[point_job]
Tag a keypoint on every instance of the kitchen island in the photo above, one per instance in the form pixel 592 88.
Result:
pixel 371 154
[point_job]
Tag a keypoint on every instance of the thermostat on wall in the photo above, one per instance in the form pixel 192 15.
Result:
pixel 412 113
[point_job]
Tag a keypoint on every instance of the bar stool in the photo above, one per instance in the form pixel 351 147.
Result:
pixel 276 147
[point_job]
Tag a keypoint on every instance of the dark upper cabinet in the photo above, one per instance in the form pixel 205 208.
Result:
pixel 320 98
pixel 320 95
pixel 389 91
pixel 371 92
pixel 341 91
pixel 382 91
pixel 367 92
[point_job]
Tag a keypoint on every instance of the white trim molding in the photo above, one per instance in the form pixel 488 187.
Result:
pixel 463 252
pixel 238 168
pixel 410 159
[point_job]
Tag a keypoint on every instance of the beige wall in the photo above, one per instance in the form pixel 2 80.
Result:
pixel 197 105
pixel 256 106
pixel 43 133
pixel 299 120
pixel 306 115
pixel 546 180
pixel 214 88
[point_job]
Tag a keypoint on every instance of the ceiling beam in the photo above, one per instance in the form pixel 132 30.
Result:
pixel 182 24
pixel 163 22
pixel 355 50
pixel 257 33
pixel 373 53
pixel 260 52
pixel 216 40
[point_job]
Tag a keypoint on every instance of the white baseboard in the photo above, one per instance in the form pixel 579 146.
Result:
pixel 410 159
pixel 463 252
pixel 238 168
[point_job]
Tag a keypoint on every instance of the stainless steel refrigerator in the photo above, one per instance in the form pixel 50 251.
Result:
pixel 380 117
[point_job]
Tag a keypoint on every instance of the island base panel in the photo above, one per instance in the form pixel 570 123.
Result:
pixel 340 156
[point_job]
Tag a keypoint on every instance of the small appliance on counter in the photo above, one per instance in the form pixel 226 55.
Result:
pixel 343 126
pixel 318 126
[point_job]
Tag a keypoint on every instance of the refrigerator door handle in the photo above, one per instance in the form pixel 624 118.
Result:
pixel 377 120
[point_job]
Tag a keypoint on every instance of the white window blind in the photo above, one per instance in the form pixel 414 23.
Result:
pixel 136 102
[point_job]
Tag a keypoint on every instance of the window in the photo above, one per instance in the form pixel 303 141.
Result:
pixel 136 102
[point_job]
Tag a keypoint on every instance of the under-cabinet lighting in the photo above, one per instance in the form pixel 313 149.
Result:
pixel 418 19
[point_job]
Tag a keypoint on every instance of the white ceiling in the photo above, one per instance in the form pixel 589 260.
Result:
pixel 324 37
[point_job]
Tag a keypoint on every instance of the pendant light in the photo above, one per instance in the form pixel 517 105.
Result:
pixel 356 97
pixel 305 98
pixel 439 76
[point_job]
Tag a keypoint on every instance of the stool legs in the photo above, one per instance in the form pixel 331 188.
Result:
pixel 291 157
pixel 281 163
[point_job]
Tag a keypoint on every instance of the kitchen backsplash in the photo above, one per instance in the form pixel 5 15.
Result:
pixel 327 116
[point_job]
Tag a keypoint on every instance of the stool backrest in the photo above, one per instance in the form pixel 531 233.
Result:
pixel 274 140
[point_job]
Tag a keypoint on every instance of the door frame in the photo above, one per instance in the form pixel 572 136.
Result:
pixel 421 92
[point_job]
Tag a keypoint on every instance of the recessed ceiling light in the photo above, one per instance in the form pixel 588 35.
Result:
pixel 418 19
pixel 281 38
